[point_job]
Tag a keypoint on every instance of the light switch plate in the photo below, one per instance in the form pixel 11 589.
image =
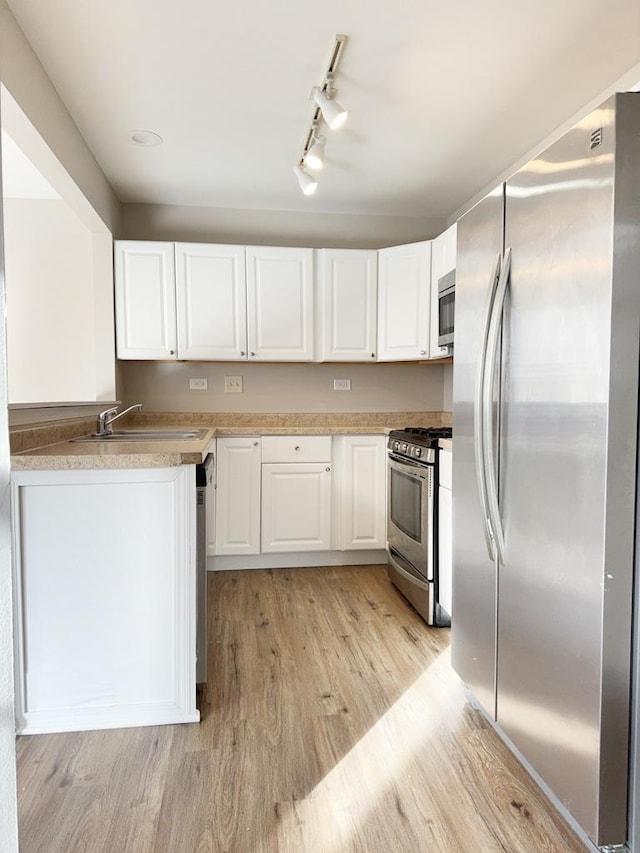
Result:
pixel 342 385
pixel 198 385
pixel 233 385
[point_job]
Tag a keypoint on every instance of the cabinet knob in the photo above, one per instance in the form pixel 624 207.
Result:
pixel 256 443
pixel 423 352
pixel 297 447
pixel 373 355
pixel 252 353
pixel 172 352
pixel 242 353
pixel 327 469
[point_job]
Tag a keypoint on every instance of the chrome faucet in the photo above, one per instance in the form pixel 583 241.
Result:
pixel 105 422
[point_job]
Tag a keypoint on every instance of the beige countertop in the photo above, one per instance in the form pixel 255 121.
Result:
pixel 122 454
pixel 446 443
pixel 57 451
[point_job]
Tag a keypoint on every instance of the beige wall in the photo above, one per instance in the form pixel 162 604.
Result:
pixel 447 388
pixel 51 306
pixel 272 227
pixel 27 81
pixel 164 387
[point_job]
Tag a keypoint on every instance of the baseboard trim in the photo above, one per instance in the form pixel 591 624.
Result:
pixel 307 559
pixel 89 719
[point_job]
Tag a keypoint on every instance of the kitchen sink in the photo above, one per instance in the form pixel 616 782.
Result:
pixel 147 435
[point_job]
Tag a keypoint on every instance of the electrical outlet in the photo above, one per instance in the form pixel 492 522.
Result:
pixel 342 385
pixel 198 385
pixel 233 385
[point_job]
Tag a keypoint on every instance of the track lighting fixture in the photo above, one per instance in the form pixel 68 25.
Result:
pixel 326 109
pixel 314 158
pixel 334 115
pixel 308 183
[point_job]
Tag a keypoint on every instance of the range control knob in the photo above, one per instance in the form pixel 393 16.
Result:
pixel 417 451
pixel 396 445
pixel 404 448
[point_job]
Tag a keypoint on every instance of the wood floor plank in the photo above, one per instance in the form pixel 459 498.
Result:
pixel 331 723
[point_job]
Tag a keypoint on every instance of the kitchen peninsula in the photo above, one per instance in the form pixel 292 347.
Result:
pixel 105 563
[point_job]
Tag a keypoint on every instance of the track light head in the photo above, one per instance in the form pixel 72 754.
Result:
pixel 314 158
pixel 308 183
pixel 334 115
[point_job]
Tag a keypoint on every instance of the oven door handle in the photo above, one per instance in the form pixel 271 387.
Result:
pixel 405 574
pixel 478 412
pixel 399 463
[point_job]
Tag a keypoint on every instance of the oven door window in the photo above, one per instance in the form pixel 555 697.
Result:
pixel 406 504
pixel 446 308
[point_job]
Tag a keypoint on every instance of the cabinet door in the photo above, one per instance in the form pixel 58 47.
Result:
pixel 404 293
pixel 211 503
pixel 348 283
pixel 445 531
pixel 211 301
pixel 238 496
pixel 443 260
pixel 280 303
pixel 362 492
pixel 296 507
pixel 445 545
pixel 145 300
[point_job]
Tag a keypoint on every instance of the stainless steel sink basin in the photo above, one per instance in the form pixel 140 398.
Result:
pixel 147 435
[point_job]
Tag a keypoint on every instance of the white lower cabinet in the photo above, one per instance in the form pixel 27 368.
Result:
pixel 291 494
pixel 361 507
pixel 237 523
pixel 105 598
pixel 296 507
pixel 445 531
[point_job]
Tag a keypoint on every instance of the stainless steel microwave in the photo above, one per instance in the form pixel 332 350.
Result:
pixel 446 308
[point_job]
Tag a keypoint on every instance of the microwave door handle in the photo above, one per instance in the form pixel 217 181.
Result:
pixel 478 425
pixel 487 405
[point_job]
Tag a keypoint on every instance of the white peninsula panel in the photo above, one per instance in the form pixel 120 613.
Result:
pixel 105 598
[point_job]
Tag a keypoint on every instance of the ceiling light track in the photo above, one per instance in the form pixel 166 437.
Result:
pixel 326 111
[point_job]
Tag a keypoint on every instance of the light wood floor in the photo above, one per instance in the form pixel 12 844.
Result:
pixel 332 722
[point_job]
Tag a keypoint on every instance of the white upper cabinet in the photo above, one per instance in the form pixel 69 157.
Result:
pixel 404 294
pixel 145 300
pixel 211 299
pixel 280 303
pixel 443 260
pixel 347 285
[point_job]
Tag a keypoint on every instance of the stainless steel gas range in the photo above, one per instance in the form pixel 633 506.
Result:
pixel 412 522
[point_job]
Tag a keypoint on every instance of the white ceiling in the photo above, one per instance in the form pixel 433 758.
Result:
pixel 442 96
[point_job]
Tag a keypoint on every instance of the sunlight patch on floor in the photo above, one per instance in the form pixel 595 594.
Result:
pixel 381 760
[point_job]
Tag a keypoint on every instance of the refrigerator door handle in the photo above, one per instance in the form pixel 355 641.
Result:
pixel 487 405
pixel 478 430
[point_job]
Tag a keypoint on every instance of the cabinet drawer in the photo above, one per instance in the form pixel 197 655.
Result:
pixel 446 458
pixel 296 448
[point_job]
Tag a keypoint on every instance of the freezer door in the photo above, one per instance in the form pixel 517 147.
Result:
pixel 568 457
pixel 473 639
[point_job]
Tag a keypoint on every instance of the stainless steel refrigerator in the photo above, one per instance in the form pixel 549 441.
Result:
pixel 545 415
